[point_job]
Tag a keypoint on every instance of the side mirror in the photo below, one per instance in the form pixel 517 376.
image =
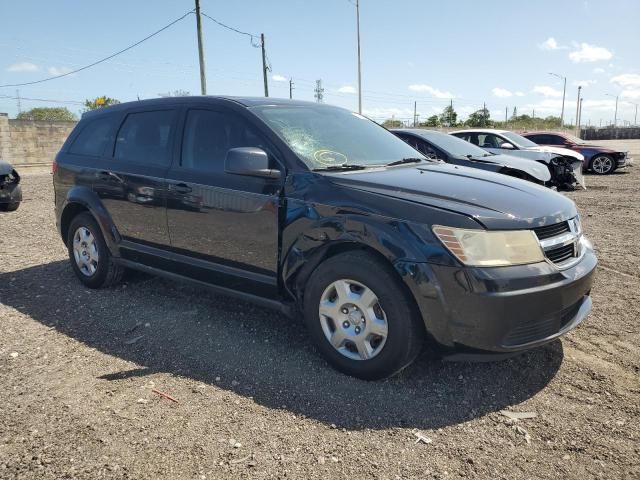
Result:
pixel 507 145
pixel 249 161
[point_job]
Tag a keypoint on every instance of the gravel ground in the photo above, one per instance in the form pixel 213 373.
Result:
pixel 254 400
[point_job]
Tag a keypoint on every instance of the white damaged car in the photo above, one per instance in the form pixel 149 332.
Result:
pixel 565 166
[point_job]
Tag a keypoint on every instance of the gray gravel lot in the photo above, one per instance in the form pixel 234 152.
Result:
pixel 254 400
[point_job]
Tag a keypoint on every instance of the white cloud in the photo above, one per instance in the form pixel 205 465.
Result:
pixel 347 89
pixel 55 71
pixel 23 67
pixel 501 92
pixel 584 83
pixel 549 44
pixel 429 89
pixel 519 94
pixel 547 91
pixel 279 78
pixel 626 80
pixel 598 70
pixel 631 93
pixel 589 53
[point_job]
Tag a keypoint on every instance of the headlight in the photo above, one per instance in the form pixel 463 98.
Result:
pixel 482 248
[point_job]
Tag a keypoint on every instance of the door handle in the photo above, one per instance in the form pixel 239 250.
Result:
pixel 180 188
pixel 105 175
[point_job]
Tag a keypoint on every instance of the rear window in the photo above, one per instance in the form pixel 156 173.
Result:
pixel 93 137
pixel 145 137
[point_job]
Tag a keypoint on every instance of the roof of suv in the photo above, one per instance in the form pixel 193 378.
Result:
pixel 245 101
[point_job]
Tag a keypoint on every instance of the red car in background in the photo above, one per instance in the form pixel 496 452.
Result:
pixel 597 159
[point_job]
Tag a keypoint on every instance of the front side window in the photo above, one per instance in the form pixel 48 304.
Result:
pixel 324 136
pixel 209 135
pixel 145 137
pixel 94 137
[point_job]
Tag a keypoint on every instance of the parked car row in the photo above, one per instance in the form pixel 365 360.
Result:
pixel 328 217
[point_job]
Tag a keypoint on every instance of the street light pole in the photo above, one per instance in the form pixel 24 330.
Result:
pixel 578 112
pixel 203 75
pixel 564 93
pixel 359 64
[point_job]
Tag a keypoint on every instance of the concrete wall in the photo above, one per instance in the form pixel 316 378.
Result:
pixel 31 143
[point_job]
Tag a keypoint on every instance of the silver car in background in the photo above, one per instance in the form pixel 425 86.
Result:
pixel 564 165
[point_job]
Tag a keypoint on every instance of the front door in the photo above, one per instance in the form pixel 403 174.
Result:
pixel 228 221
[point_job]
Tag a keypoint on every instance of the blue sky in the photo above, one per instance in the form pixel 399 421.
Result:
pixel 498 52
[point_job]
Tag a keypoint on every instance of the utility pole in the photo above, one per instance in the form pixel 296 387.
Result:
pixel 291 88
pixel 20 105
pixel 506 113
pixel 265 68
pixel 414 113
pixel 564 93
pixel 635 118
pixel 451 113
pixel 578 112
pixel 580 118
pixel 319 91
pixel 359 63
pixel 203 75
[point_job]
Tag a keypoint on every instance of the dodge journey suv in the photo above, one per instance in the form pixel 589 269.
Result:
pixel 328 217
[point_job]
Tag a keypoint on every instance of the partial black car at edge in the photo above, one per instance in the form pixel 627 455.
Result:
pixel 326 216
pixel 10 190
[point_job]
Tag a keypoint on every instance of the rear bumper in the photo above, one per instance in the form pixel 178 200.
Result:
pixel 506 309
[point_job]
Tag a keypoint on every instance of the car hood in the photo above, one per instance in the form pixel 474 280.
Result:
pixel 535 169
pixel 496 201
pixel 600 148
pixel 554 151
pixel 5 167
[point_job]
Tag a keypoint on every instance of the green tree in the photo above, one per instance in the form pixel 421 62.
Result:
pixel 100 102
pixel 392 123
pixel 432 121
pixel 48 113
pixel 448 117
pixel 479 118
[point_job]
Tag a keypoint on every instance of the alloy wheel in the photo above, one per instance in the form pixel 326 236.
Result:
pixel 602 165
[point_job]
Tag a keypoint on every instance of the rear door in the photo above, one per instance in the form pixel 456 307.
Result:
pixel 130 178
pixel 225 225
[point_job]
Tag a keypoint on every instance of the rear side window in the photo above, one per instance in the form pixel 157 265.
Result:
pixel 93 137
pixel 208 136
pixel 145 137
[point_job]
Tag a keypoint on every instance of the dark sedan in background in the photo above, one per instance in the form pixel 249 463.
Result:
pixel 441 146
pixel 597 159
pixel 10 191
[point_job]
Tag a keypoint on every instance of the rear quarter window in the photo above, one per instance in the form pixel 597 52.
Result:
pixel 93 137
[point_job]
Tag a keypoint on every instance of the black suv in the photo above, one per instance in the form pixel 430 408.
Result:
pixel 328 217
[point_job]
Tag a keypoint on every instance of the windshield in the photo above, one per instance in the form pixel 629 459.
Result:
pixel 574 139
pixel 324 136
pixel 454 145
pixel 519 140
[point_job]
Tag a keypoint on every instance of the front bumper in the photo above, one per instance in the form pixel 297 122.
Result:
pixel 10 194
pixel 506 309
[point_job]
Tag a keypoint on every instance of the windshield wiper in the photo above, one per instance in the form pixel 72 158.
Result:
pixel 336 168
pixel 405 160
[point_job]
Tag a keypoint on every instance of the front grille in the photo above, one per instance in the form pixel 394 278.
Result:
pixel 560 254
pixel 552 230
pixel 541 329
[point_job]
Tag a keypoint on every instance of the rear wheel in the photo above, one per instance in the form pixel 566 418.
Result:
pixel 602 165
pixel 90 258
pixel 361 317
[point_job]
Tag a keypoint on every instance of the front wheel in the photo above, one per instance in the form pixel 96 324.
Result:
pixel 602 165
pixel 361 317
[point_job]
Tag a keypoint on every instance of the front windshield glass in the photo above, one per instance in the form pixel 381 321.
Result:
pixel 325 137
pixel 454 145
pixel 519 140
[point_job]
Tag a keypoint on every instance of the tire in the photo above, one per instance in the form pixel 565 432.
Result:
pixel 97 270
pixel 9 207
pixel 602 164
pixel 391 304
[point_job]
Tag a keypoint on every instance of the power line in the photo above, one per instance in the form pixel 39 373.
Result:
pixel 104 59
pixel 69 102
pixel 255 39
